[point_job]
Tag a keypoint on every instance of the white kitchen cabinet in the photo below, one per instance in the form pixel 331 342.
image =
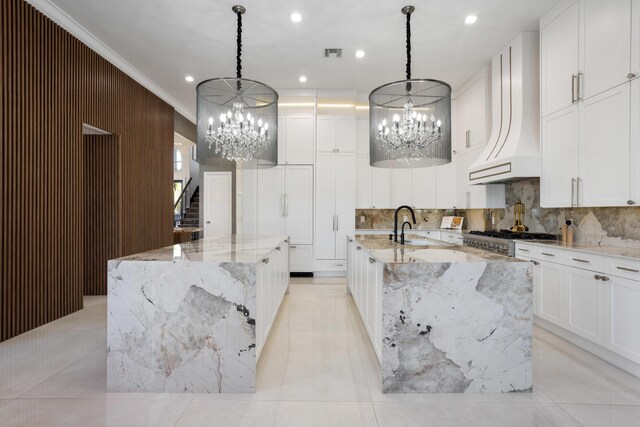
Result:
pixel 299 204
pixel 296 139
pixel 401 187
pixel 365 281
pixel 271 201
pixel 446 185
pixel 423 188
pixel 635 39
pixel 559 58
pixel 380 188
pixel 271 285
pixel 552 293
pixel 606 43
pixel 336 134
pixel 559 151
pixel 362 136
pixel 335 206
pixel 476 196
pixel 604 149
pixel 364 183
pixel 285 206
pixel 471 119
pixel 584 294
pixel 634 140
pixel 621 318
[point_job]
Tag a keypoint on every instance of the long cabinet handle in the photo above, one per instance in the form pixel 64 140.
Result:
pixel 578 191
pixel 580 75
pixel 573 88
pixel 286 204
pixel 632 270
pixel 337 222
pixel 573 193
pixel 523 250
pixel 544 253
pixel 580 260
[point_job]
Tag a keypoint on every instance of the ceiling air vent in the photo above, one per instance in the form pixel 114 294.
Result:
pixel 333 53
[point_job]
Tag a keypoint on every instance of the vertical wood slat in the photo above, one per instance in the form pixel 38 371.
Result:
pixel 51 84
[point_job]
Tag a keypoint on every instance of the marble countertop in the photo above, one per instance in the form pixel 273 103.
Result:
pixel 616 251
pixel 436 251
pixel 230 248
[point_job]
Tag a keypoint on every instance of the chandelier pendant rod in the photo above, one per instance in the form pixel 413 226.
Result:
pixel 239 11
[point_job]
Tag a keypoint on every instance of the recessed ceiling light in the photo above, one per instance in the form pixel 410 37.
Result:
pixel 296 17
pixel 302 79
pixel 471 19
pixel 359 53
pixel 189 79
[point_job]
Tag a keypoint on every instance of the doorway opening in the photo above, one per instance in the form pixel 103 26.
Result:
pixel 102 206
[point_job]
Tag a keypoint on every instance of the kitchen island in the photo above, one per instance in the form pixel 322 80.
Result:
pixel 194 317
pixel 444 318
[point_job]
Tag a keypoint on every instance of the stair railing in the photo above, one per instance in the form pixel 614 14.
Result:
pixel 184 196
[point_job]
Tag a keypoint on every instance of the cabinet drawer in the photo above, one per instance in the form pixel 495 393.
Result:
pixel 629 269
pixel 550 254
pixel 301 258
pixel 456 238
pixel 584 260
pixel 331 265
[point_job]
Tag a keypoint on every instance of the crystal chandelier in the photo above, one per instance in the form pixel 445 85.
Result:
pixel 237 117
pixel 410 120
pixel 237 138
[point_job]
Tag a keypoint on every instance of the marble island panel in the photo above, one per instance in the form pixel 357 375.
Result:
pixel 454 319
pixel 183 318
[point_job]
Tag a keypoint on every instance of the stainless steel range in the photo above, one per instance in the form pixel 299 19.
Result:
pixel 503 241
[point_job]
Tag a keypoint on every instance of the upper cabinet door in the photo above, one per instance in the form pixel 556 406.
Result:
pixel 299 139
pixel 446 191
pixel 363 182
pixel 635 38
pixel 606 38
pixel 635 143
pixel 346 134
pixel 299 204
pixel 604 149
pixel 380 187
pixel 559 60
pixel 271 201
pixel 424 187
pixel 326 133
pixel 559 150
pixel 477 113
pixel 400 187
pixel 282 143
pixel 362 136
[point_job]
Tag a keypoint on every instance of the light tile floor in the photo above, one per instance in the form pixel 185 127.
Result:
pixel 317 370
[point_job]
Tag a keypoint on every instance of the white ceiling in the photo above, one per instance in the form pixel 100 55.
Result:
pixel 169 39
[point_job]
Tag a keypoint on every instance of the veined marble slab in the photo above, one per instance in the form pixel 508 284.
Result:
pixel 182 318
pixel 455 319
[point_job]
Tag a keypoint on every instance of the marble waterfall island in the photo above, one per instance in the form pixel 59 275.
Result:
pixel 450 318
pixel 193 317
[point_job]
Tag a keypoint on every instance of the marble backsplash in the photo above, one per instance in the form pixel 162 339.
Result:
pixel 618 226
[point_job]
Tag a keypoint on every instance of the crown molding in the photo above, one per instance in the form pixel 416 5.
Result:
pixel 61 18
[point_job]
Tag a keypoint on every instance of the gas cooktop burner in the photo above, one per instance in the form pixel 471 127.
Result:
pixel 508 234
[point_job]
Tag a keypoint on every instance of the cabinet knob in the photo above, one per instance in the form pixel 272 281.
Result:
pixel 535 262
pixel 266 260
pixel 630 75
pixel 372 260
pixel 631 202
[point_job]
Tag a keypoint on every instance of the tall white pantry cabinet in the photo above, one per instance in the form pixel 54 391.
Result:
pixel 335 191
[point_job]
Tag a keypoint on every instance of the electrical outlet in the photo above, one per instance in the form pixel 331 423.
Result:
pixel 361 218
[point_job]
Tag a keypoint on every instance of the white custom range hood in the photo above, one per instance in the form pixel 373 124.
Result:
pixel 513 150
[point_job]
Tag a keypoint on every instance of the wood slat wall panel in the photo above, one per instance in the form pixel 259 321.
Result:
pixel 51 84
